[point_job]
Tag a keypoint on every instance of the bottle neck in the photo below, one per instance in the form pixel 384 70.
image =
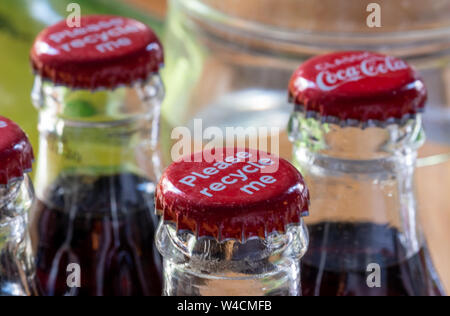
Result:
pixel 100 132
pixel 205 267
pixel 360 175
pixel 16 264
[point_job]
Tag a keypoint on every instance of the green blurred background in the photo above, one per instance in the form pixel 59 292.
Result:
pixel 22 20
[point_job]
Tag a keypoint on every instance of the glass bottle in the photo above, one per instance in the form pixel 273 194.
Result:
pixel 98 92
pixel 244 53
pixel 232 225
pixel 21 22
pixel 17 274
pixel 356 131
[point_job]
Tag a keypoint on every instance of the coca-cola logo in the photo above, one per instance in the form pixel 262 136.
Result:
pixel 374 66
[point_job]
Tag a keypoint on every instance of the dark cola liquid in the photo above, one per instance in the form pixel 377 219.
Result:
pixel 339 254
pixel 105 225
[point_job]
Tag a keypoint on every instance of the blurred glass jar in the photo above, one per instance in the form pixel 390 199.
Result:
pixel 228 63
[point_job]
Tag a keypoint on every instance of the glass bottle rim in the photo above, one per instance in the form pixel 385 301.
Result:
pixel 10 191
pixel 277 243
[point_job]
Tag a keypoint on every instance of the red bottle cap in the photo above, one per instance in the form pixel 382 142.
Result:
pixel 16 153
pixel 358 87
pixel 232 194
pixel 104 52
